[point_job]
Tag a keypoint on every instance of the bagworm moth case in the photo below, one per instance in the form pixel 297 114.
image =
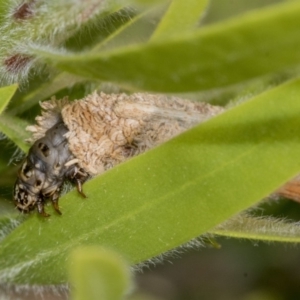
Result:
pixel 77 139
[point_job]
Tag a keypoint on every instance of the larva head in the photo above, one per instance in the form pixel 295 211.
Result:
pixel 44 171
pixel 27 190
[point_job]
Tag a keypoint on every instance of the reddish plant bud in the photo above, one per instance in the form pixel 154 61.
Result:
pixel 16 62
pixel 24 11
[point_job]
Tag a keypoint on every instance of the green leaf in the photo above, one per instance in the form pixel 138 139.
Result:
pixel 99 27
pixel 14 129
pixel 46 90
pixel 98 273
pixel 240 49
pixel 260 229
pixel 8 223
pixel 181 18
pixel 6 94
pixel 220 10
pixel 137 30
pixel 165 197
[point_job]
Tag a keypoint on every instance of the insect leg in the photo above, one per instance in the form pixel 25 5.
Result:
pixel 40 207
pixel 79 187
pixel 54 199
pixel 79 176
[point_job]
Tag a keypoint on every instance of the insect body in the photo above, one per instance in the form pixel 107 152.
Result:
pixel 84 138
pixel 48 164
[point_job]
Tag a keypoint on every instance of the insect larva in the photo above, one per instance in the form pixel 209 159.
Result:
pixel 79 139
pixel 44 170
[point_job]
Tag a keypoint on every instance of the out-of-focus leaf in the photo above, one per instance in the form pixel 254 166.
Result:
pixel 14 129
pixel 6 94
pixel 98 273
pixel 136 31
pixel 252 45
pixel 46 90
pixel 180 18
pixel 259 229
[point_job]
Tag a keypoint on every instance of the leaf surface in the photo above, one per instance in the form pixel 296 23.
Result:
pixel 180 18
pixel 6 94
pixel 14 129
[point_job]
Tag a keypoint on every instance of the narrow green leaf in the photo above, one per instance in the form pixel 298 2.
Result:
pixel 243 48
pixel 260 229
pixel 98 273
pixel 180 18
pixel 46 90
pixel 135 31
pixel 14 129
pixel 173 193
pixel 221 10
pixel 99 27
pixel 6 94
